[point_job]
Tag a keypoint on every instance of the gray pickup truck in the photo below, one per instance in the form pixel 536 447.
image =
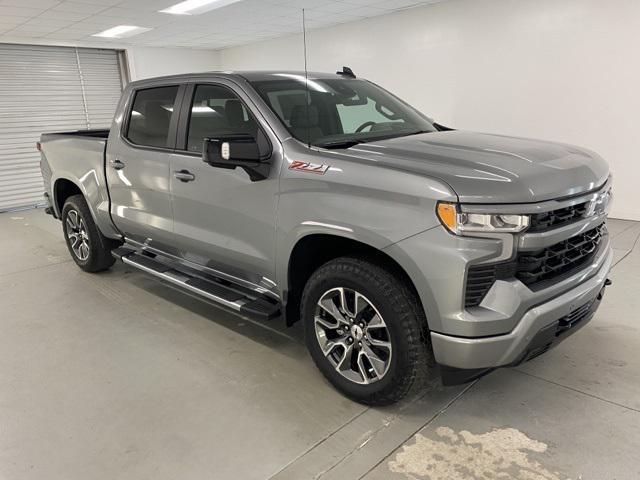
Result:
pixel 398 242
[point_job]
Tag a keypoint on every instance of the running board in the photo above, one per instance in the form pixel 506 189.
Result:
pixel 248 304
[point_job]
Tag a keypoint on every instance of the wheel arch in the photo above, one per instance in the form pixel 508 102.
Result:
pixel 65 185
pixel 315 249
pixel 63 188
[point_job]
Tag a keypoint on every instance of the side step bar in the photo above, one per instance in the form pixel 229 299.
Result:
pixel 248 304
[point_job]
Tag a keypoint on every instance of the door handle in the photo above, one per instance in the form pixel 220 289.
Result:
pixel 184 176
pixel 117 164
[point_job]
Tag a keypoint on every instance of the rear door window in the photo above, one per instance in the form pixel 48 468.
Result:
pixel 150 116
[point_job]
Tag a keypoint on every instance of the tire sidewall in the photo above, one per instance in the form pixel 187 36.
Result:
pixel 94 242
pixel 324 280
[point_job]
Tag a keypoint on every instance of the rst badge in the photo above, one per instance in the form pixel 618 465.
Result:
pixel 309 167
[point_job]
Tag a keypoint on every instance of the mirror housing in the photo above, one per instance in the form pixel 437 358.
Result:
pixel 239 150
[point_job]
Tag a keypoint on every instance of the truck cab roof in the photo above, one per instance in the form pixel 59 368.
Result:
pixel 248 75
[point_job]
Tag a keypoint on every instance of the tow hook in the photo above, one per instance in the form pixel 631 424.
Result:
pixel 607 282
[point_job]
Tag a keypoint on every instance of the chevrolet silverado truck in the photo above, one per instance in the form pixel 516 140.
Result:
pixel 400 243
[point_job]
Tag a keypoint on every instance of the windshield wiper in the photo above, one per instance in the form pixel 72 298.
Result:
pixel 350 143
pixel 340 144
pixel 416 132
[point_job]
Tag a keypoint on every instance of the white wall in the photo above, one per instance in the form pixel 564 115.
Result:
pixel 566 70
pixel 145 62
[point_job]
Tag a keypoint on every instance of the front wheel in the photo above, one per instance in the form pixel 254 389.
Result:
pixel 88 247
pixel 365 330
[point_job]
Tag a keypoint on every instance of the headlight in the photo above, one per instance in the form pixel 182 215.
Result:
pixel 461 223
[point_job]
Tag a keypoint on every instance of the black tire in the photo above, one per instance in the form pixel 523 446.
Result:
pixel 99 256
pixel 406 329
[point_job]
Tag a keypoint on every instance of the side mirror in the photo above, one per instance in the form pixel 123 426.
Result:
pixel 241 150
pixel 231 151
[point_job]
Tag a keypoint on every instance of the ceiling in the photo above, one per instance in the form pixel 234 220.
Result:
pixel 247 21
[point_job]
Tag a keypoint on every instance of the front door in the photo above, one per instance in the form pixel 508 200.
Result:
pixel 138 166
pixel 222 219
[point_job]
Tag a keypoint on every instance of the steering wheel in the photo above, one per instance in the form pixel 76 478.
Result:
pixel 365 125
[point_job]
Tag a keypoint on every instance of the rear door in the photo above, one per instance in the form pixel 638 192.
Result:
pixel 223 219
pixel 138 166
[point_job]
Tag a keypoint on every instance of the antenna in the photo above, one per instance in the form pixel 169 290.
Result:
pixel 306 79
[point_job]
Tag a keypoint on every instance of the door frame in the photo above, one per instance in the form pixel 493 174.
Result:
pixel 180 148
pixel 173 123
pixel 182 127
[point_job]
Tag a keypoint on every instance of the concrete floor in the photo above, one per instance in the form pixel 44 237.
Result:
pixel 118 376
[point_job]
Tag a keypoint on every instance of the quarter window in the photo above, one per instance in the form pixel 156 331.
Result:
pixel 151 116
pixel 215 112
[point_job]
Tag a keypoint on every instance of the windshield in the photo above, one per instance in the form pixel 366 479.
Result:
pixel 341 112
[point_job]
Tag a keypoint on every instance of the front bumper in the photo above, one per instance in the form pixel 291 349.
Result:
pixel 540 328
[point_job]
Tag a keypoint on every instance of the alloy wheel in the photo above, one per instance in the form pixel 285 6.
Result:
pixel 77 234
pixel 353 335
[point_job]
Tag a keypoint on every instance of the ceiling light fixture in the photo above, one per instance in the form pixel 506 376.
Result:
pixel 121 31
pixel 195 7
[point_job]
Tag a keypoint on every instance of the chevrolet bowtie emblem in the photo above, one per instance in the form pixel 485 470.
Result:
pixel 599 204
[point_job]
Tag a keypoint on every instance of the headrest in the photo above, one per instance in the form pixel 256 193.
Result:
pixel 156 109
pixel 300 118
pixel 234 113
pixel 156 115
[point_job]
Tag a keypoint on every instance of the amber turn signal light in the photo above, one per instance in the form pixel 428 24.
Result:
pixel 448 215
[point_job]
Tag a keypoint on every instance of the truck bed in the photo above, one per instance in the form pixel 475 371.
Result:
pixel 96 133
pixel 77 157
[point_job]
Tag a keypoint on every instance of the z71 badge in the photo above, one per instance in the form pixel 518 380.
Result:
pixel 309 167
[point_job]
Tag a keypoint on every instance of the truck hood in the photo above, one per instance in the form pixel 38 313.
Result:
pixel 485 168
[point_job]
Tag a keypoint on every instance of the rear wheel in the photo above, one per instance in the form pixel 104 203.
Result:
pixel 364 329
pixel 88 247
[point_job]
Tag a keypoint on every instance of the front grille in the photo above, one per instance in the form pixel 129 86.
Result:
pixel 540 222
pixel 536 269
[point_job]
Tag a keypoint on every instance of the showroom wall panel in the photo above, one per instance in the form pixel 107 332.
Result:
pixel 48 89
pixel 560 70
pixel 102 84
pixel 145 62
